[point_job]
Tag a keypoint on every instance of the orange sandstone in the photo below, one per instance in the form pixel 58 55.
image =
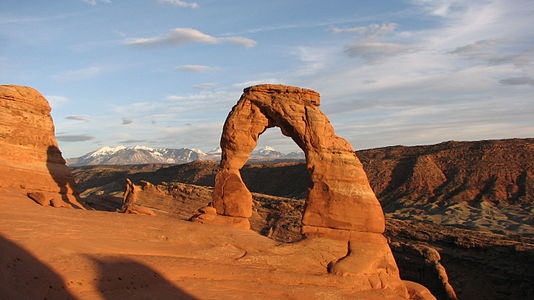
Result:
pixel 339 196
pixel 340 205
pixel 30 159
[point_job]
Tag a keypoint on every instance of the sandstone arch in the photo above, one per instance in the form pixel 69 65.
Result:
pixel 339 196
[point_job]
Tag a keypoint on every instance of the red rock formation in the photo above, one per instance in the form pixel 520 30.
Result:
pixel 340 203
pixel 30 159
pixel 339 198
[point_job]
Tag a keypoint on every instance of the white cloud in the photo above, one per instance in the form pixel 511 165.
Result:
pixel 132 141
pixel 375 52
pixel 480 49
pixel 193 135
pixel 246 84
pixel 491 51
pixel 179 3
pixel 56 100
pixel 241 41
pixel 313 59
pixel 517 81
pixel 66 137
pixel 442 8
pixel 126 121
pixel 193 97
pixel 79 74
pixel 182 36
pixel 205 85
pixel 77 118
pixel 369 31
pixel 194 68
pixel 94 2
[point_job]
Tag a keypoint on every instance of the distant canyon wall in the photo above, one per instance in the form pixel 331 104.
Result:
pixel 493 171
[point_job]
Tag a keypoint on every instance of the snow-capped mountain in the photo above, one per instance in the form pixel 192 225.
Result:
pixel 122 155
pixel 267 152
pixel 216 151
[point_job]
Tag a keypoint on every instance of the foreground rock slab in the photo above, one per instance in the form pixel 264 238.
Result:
pixel 80 254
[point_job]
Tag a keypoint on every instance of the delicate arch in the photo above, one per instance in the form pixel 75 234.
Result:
pixel 339 196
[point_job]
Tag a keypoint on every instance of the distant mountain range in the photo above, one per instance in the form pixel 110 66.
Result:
pixel 122 155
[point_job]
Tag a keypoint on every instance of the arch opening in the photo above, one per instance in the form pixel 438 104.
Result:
pixel 279 187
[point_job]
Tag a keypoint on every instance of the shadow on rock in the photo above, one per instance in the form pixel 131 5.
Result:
pixel 23 276
pixel 122 278
pixel 61 175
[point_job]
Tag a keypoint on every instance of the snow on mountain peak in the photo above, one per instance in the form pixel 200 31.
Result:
pixel 217 150
pixel 198 151
pixel 107 150
pixel 138 147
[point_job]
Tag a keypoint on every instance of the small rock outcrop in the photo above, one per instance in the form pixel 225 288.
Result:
pixel 30 159
pixel 340 199
pixel 130 197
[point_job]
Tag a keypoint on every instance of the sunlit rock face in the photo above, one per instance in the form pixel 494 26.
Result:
pixel 30 159
pixel 339 196
pixel 340 205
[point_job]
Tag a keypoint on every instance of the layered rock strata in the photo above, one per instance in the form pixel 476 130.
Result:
pixel 30 159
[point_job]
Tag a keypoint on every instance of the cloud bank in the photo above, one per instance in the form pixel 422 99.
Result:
pixel 126 121
pixel 369 31
pixel 94 2
pixel 74 137
pixel 194 68
pixel 77 118
pixel 179 3
pixel 183 36
pixel 517 81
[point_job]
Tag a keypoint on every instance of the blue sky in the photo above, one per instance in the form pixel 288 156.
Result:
pixel 165 73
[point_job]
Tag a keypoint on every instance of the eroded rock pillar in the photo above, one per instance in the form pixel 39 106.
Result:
pixel 231 198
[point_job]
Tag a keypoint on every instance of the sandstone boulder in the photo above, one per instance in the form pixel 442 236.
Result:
pixel 30 159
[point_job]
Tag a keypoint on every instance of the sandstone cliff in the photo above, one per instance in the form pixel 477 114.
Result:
pixel 30 160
